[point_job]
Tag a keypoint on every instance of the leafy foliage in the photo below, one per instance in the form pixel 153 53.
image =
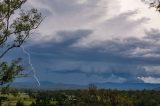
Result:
pixel 86 97
pixel 20 103
pixel 153 3
pixel 16 25
pixel 8 72
pixel 94 97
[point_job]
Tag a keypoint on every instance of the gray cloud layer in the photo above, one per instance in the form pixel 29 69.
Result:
pixel 127 60
pixel 84 39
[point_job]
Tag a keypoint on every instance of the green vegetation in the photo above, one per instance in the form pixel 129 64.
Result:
pixel 89 97
pixel 13 33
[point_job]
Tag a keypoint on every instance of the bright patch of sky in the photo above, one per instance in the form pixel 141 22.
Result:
pixel 143 11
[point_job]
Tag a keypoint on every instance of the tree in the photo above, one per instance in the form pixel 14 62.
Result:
pixel 153 3
pixel 20 103
pixel 16 25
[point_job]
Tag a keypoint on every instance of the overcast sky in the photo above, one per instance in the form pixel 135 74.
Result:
pixel 95 41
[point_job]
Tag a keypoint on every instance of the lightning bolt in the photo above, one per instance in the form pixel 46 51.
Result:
pixel 31 65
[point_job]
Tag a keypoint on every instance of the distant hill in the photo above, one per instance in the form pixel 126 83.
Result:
pixel 128 86
pixel 46 85
pixel 157 89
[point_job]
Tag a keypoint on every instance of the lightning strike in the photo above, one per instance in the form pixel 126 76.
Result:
pixel 31 65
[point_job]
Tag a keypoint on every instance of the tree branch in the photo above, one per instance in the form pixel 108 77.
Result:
pixel 14 45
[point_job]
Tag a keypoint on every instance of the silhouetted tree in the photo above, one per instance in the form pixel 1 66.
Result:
pixel 153 3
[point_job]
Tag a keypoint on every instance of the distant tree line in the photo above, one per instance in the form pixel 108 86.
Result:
pixel 95 97
pixel 90 97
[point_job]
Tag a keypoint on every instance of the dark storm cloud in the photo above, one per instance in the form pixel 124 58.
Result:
pixel 123 57
pixel 113 57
